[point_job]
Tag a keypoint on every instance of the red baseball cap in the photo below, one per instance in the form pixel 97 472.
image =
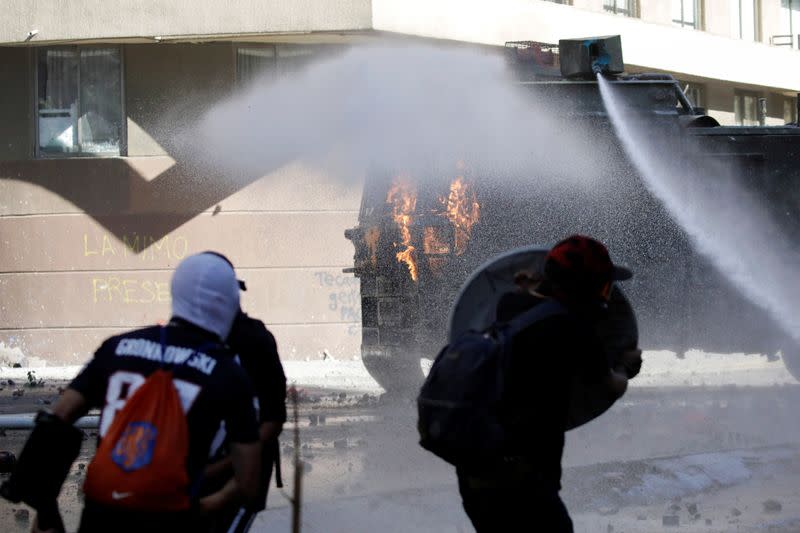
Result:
pixel 582 264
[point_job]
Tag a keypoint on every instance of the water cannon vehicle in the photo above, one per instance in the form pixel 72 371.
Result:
pixel 419 237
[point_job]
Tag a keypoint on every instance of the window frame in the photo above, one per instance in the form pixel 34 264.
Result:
pixel 123 134
pixel 631 11
pixel 698 16
pixel 239 83
pixel 794 38
pixel 756 21
pixel 697 88
pixel 739 95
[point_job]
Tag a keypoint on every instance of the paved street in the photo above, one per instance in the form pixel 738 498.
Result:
pixel 685 454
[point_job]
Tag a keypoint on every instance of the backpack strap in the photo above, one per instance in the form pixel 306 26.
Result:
pixel 546 309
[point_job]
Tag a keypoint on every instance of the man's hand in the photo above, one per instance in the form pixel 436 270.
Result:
pixel 630 363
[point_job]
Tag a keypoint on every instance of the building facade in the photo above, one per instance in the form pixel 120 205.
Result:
pixel 96 206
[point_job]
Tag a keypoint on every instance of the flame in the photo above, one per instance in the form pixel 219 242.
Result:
pixel 402 197
pixel 371 238
pixel 462 210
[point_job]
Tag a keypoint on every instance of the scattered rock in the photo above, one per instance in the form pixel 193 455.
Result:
pixel 736 512
pixel 608 511
pixel 10 382
pixel 18 393
pixel 22 516
pixel 81 466
pixel 17 365
pixel 60 390
pixel 342 396
pixel 340 444
pixel 692 508
pixel 772 506
pixel 670 521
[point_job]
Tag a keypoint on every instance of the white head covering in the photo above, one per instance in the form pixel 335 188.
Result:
pixel 205 292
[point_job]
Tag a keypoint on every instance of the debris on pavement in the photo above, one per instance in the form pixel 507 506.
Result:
pixel 670 521
pixel 772 506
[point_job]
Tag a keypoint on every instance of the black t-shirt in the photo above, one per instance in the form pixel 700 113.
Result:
pixel 546 359
pixel 258 354
pixel 209 382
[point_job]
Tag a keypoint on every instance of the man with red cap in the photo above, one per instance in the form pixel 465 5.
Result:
pixel 521 492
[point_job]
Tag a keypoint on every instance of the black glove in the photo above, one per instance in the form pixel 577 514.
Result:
pixel 630 363
pixel 43 467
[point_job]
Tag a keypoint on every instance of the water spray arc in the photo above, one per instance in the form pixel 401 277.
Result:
pixel 719 221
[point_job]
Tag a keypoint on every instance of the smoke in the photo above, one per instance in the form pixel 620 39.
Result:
pixel 723 219
pixel 390 107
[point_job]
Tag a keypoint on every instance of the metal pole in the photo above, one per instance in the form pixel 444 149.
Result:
pixel 25 421
pixel 298 468
pixel 797 108
pixel 762 111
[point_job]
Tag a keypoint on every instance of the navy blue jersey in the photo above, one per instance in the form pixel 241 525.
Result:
pixel 213 388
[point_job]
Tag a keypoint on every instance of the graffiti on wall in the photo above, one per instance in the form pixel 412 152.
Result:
pixel 132 289
pixel 146 247
pixel 344 298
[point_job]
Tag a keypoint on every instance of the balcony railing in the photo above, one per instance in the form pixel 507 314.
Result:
pixel 782 40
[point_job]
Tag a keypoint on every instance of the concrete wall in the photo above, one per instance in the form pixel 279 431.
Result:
pixel 87 245
pixel 656 11
pixel 647 45
pixel 718 17
pixel 57 20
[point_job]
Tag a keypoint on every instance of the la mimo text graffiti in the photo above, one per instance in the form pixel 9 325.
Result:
pixel 113 289
pixel 145 247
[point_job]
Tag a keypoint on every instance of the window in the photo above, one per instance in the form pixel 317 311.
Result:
pixel 744 19
pixel 789 110
pixel 79 101
pixel 686 13
pixel 745 108
pixel 695 93
pixel 790 25
pixel 254 62
pixel 272 62
pixel 621 7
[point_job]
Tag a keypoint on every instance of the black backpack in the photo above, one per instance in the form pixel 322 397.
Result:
pixel 460 403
